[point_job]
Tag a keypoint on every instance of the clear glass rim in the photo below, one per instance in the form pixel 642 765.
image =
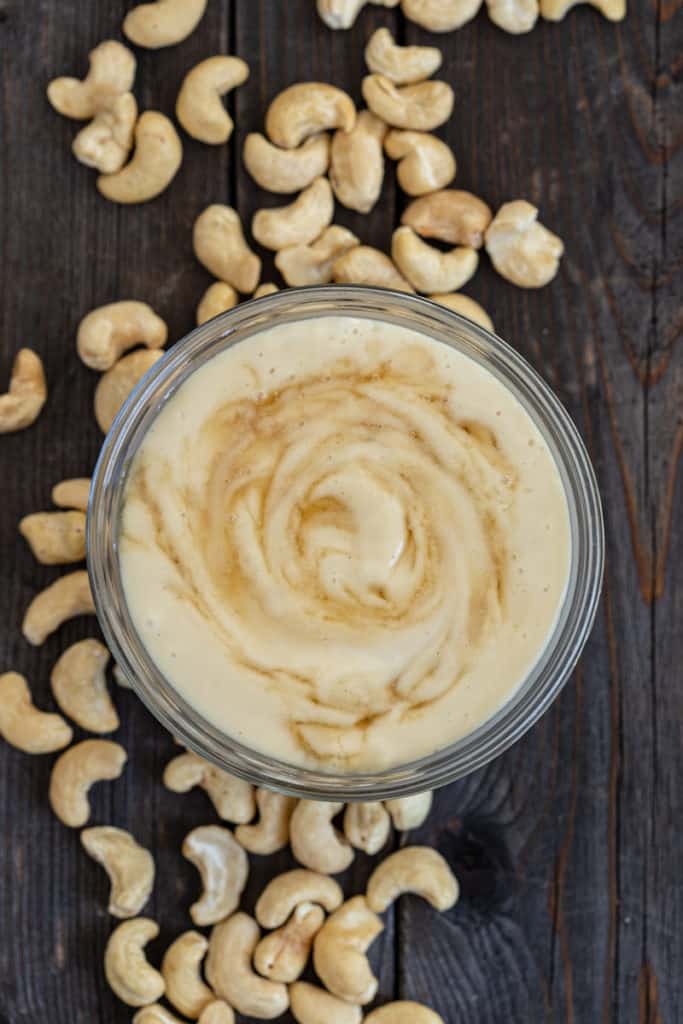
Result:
pixel 563 647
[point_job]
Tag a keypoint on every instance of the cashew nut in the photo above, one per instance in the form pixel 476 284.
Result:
pixel 224 869
pixel 357 163
pixel 402 65
pixel 452 216
pixel 106 142
pixel 302 265
pixel 364 265
pixel 428 269
pixel 339 951
pixel 163 23
pixel 283 954
pixel 265 289
pixel 465 306
pixel 182 971
pixel 287 891
pixel 130 867
pixel 315 842
pixel 114 386
pixel 297 223
pixel 217 1012
pixel 515 16
pixel 199 108
pixel 233 798
pixel 343 13
pixel 286 170
pixel 218 298
pixel 55 538
pixel 79 686
pixel 417 869
pixel 23 725
pixel 440 15
pixel 312 1005
pixel 271 833
pixel 230 974
pixel 521 249
pixel 411 811
pixel 21 405
pixel 305 109
pixel 127 970
pixel 155 1013
pixel 367 826
pixel 153 166
pixel 426 163
pixel 420 107
pixel 112 73
pixel 109 331
pixel 76 770
pixel 403 1012
pixel 555 10
pixel 119 678
pixel 64 599
pixel 219 244
pixel 72 493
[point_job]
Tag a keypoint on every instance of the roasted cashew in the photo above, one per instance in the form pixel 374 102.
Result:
pixel 555 10
pixel 224 869
pixel 106 142
pixel 343 13
pixel 421 107
pixel 417 869
pixel 218 298
pixel 315 842
pixel 114 386
pixel 357 163
pixel 182 971
pixel 426 163
pixel 155 1013
pixel 231 976
pixel 283 954
pixel 119 678
pixel 109 331
pixel 217 1012
pixel 76 770
pixel 339 951
pixel 286 892
pixel 72 493
pixel 428 269
pixel 130 867
pixel 451 215
pixel 21 405
pixel 23 725
pixel 515 16
pixel 233 798
pixel 302 265
pixel 163 23
pixel 411 811
pixel 199 108
pixel 402 65
pixel 66 598
pixel 271 832
pixel 440 15
pixel 521 249
pixel 267 288
pixel 219 244
pixel 465 306
pixel 367 826
pixel 403 1012
pixel 364 265
pixel 305 109
pixel 153 166
pixel 79 686
pixel 55 538
pixel 127 970
pixel 112 73
pixel 312 1005
pixel 286 170
pixel 299 222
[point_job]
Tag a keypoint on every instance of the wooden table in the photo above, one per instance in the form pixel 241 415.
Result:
pixel 568 848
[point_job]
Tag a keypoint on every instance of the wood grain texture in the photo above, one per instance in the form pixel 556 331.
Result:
pixel 569 847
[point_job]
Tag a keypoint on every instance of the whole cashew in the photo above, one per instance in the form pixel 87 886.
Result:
pixel 357 163
pixel 232 797
pixel 155 1013
pixel 112 73
pixel 421 107
pixel 403 1012
pixel 417 869
pixel 521 249
pixel 339 952
pixel 286 892
pixel 127 970
pixel 312 264
pixel 55 538
pixel 440 15
pixel 230 974
pixel 154 164
pixel 23 725
pixel 312 1005
pixel 342 13
pixel 271 833
pixel 66 598
pixel 286 170
pixel 402 65
pixel 217 1012
pixel 315 842
pixel 76 770
pixel 452 216
pixel 182 971
pixel 220 246
pixel 21 405
pixel 265 289
pixel 109 331
pixel 367 826
pixel 72 493
pixel 428 269
pixel 426 163
pixel 555 10
pixel 299 222
pixel 411 811
pixel 114 386
pixel 218 298
pixel 163 23
pixel 106 142
pixel 224 869
pixel 364 265
pixel 515 16
pixel 79 686
pixel 283 954
pixel 130 867
pixel 305 109
pixel 465 306
pixel 199 108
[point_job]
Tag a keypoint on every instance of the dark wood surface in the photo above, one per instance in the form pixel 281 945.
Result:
pixel 569 848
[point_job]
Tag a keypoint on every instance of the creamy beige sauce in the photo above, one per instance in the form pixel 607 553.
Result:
pixel 344 543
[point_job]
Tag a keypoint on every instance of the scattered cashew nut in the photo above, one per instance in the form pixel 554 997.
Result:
pixel 109 331
pixel 428 269
pixel 163 23
pixel 451 215
pixel 112 73
pixel 155 1013
pixel 76 770
pixel 79 686
pixel 127 970
pixel 367 826
pixel 230 974
pixel 153 166
pixel 271 832
pixel 302 265
pixel 219 244
pixel 411 811
pixel 299 222
pixel 312 1005
pixel 55 538
pixel 218 298
pixel 199 108
pixel 283 954
pixel 286 170
pixel 515 16
pixel 555 10
pixel 420 107
pixel 416 869
pixel 23 725
pixel 64 599
pixel 465 306
pixel 267 288
pixel 342 13
pixel 224 869
pixel 182 971
pixel 21 405
pixel 106 142
pixel 114 386
pixel 72 493
pixel 305 109
pixel 402 65
pixel 287 891
pixel 521 249
pixel 426 163
pixel 130 867
pixel 315 842
pixel 339 952
pixel 403 1012
pixel 357 163
pixel 364 265
pixel 440 15
pixel 217 1012
pixel 233 798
